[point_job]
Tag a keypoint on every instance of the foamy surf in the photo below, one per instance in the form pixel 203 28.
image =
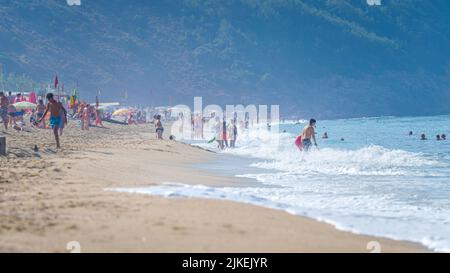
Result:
pixel 379 181
pixel 395 225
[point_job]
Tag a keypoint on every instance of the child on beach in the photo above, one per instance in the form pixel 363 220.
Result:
pixel 55 108
pixel 40 109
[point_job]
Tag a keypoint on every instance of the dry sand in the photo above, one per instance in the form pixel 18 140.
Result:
pixel 50 198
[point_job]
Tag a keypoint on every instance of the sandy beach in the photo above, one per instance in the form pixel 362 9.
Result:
pixel 49 198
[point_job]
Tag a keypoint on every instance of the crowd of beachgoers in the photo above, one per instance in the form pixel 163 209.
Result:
pixel 18 111
pixel 27 112
pixel 24 113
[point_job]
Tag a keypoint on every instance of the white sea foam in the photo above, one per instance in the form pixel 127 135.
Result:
pixel 377 215
pixel 381 184
pixel 369 160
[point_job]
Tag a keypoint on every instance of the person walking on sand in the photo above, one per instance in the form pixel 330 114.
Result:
pixel 85 119
pixel 159 128
pixel 12 114
pixel 98 118
pixel 55 108
pixel 309 133
pixel 4 102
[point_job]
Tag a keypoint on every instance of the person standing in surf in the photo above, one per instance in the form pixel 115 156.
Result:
pixel 309 132
pixel 55 108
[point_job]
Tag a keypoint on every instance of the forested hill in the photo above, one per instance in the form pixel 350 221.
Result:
pixel 327 58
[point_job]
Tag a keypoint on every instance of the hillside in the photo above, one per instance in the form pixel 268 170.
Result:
pixel 330 58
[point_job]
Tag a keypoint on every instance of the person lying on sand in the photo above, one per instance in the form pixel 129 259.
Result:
pixel 55 108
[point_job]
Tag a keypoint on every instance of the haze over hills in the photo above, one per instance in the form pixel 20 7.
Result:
pixel 327 58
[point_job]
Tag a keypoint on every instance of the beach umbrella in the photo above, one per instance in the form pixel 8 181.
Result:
pixel 24 105
pixel 75 94
pixel 72 102
pixel 121 112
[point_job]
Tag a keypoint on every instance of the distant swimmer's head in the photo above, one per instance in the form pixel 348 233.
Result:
pixel 423 137
pixel 50 96
pixel 444 137
pixel 411 133
pixel 312 122
pixel 438 137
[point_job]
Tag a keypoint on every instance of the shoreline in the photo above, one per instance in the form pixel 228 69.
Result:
pixel 252 182
pixel 53 197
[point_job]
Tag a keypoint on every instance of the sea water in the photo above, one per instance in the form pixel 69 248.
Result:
pixel 378 181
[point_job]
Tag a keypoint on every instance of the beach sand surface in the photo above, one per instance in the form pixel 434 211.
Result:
pixel 53 197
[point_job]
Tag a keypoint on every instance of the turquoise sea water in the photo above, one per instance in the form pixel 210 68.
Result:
pixel 379 181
